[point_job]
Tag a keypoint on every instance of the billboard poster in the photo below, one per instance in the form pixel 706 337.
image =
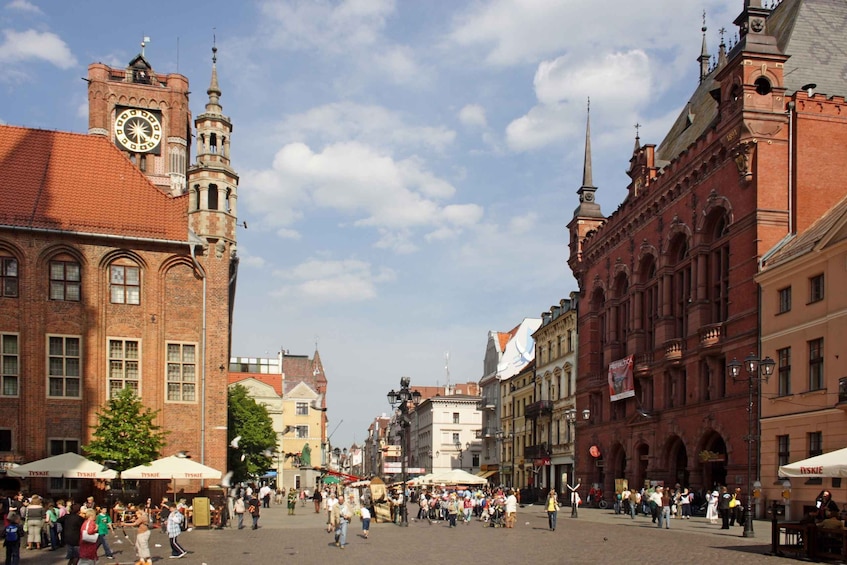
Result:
pixel 621 382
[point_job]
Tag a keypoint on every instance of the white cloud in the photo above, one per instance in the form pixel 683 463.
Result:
pixel 511 32
pixel 358 181
pixel 370 124
pixel 618 83
pixel 326 25
pixel 473 115
pixel 324 280
pixel 24 6
pixel 24 46
pixel 524 223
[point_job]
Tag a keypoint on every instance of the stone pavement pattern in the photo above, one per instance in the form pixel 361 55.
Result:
pixel 597 536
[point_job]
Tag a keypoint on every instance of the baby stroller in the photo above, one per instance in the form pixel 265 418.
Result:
pixel 498 516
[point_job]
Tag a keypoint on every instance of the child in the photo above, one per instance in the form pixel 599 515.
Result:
pixel 104 526
pixel 366 521
pixel 12 542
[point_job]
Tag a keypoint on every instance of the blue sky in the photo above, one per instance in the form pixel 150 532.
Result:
pixel 408 168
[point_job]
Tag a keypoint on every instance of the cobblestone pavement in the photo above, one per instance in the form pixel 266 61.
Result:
pixel 597 536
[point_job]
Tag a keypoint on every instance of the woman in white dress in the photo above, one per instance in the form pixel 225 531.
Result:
pixel 712 506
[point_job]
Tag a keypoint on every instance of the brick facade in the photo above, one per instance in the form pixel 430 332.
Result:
pixel 668 277
pixel 92 209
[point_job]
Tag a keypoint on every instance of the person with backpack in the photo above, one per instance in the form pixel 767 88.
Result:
pixel 254 508
pixel 12 539
pixel 239 509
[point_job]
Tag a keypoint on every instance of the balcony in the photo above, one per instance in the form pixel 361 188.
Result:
pixel 539 408
pixel 486 432
pixel 485 404
pixel 711 335
pixel 642 363
pixel 535 452
pixel 674 349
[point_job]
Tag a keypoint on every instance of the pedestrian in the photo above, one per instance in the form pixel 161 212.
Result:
pixel 33 515
pixel 316 498
pixel 552 509
pixel 104 526
pixel 666 510
pixel 164 513
pixel 724 507
pixel 142 540
pixel 254 508
pixel 345 513
pixel 366 521
pixel 331 519
pixel 265 496
pixel 452 509
pixel 88 538
pixel 12 539
pixel 634 503
pixel 686 498
pixel 511 505
pixel 712 499
pixel 71 524
pixel 239 509
pixel 175 520
pixel 292 501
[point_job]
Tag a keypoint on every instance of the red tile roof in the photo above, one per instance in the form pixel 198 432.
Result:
pixel 274 381
pixel 81 183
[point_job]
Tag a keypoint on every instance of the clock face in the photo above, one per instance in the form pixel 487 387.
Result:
pixel 138 130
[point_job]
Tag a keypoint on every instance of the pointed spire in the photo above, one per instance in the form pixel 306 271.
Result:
pixel 704 52
pixel 587 206
pixel 586 167
pixel 214 90
pixel 637 139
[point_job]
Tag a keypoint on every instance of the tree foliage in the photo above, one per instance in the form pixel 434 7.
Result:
pixel 126 433
pixel 250 420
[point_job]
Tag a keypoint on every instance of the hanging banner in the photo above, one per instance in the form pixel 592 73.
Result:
pixel 621 382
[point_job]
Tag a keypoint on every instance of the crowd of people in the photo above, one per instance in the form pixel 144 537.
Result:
pixel 82 528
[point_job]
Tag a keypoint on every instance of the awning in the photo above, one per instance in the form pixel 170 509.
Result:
pixel 486 474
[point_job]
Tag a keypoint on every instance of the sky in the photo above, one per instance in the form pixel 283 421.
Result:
pixel 407 167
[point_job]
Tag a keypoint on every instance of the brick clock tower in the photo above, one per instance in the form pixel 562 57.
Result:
pixel 146 116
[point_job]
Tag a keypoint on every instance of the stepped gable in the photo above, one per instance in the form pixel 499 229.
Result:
pixel 81 183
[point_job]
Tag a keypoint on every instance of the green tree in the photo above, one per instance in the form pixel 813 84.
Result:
pixel 251 423
pixel 126 433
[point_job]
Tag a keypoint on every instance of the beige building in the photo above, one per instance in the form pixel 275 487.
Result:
pixel 555 376
pixel 516 394
pixel 804 321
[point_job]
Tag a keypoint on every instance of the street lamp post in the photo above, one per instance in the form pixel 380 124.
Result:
pixel 571 417
pixel 757 370
pixel 461 451
pixel 400 400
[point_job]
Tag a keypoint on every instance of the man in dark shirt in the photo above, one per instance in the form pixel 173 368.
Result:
pixel 71 524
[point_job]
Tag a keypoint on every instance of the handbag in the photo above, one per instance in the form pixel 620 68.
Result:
pixel 90 538
pixel 26 525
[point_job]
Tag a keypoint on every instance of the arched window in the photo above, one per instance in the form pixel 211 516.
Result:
pixel 649 300
pixel 717 229
pixel 681 286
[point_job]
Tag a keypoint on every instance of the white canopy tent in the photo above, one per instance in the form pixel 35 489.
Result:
pixel 66 466
pixel 454 477
pixel 832 464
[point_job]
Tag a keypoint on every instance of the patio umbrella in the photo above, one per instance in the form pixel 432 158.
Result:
pixel 331 480
pixel 171 468
pixel 832 464
pixel 66 465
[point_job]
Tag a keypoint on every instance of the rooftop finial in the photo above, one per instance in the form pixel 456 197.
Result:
pixel 214 47
pixel 144 43
pixel 703 29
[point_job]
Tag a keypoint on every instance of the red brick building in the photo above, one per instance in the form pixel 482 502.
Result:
pixel 118 269
pixel 666 281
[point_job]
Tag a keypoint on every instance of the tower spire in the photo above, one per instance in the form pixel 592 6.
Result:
pixel 586 166
pixel 214 90
pixel 587 206
pixel 704 52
